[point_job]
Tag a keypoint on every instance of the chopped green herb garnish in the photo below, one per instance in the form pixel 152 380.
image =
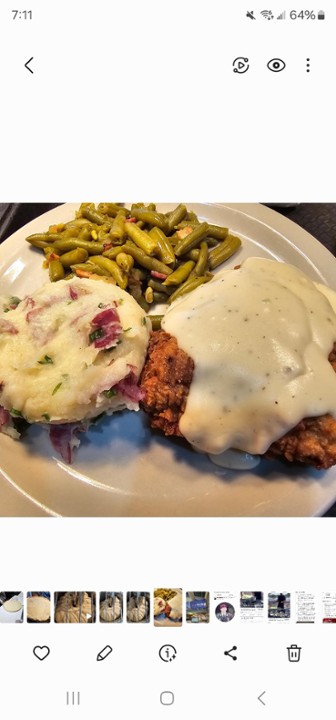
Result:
pixel 46 360
pixel 120 301
pixel 46 416
pixel 6 310
pixel 118 342
pixel 15 412
pixel 127 329
pixel 57 387
pixel 143 321
pixel 14 300
pixel 96 334
pixel 110 393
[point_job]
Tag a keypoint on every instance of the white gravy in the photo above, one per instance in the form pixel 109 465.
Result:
pixel 260 337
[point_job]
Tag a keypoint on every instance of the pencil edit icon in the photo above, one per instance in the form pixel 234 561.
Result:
pixel 104 653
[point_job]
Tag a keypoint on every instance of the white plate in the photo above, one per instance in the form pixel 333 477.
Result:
pixel 123 469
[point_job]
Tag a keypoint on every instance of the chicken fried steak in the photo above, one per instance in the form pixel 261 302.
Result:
pixel 166 380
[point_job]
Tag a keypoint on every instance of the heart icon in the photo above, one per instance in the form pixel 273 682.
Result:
pixel 41 651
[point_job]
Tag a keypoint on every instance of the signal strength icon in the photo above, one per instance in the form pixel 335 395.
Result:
pixel 282 16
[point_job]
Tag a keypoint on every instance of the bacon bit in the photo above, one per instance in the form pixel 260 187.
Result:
pixel 158 275
pixel 83 273
pixel 8 327
pixel 128 387
pixel 56 228
pixel 29 302
pixel 105 317
pixel 131 219
pixel 5 417
pixel 63 439
pixel 73 293
pixel 53 256
pixel 107 246
pixel 108 322
pixel 184 232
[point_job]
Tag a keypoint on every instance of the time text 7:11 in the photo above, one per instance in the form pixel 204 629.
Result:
pixel 22 14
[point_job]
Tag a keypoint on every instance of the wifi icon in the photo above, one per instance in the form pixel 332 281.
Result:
pixel 267 14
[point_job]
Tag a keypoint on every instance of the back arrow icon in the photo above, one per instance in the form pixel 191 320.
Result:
pixel 260 696
pixel 28 68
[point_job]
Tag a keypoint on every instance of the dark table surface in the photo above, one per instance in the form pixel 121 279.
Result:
pixel 319 219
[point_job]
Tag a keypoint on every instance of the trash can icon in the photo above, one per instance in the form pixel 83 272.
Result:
pixel 294 653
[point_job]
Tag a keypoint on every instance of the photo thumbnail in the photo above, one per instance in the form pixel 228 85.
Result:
pixel 75 607
pixel 168 607
pixel 111 607
pixel 197 606
pixel 279 606
pixel 251 605
pixel 136 282
pixel 11 606
pixel 138 607
pixel 38 607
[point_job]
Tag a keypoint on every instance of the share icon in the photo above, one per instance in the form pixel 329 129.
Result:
pixel 228 652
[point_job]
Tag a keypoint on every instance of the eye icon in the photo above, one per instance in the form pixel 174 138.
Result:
pixel 276 65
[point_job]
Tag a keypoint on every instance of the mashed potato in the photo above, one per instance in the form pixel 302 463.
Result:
pixel 71 351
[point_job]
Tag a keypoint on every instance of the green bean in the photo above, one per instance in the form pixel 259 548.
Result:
pixel 141 239
pixel 93 248
pixel 41 240
pixel 150 217
pixel 193 217
pixel 160 287
pixel 193 254
pixel 146 261
pixel 112 267
pixel 79 222
pixel 125 261
pixel 95 216
pixel 118 226
pixel 85 233
pixel 181 274
pixel 74 257
pixel 159 297
pixel 140 224
pixel 223 251
pixel 176 216
pixel 156 321
pixel 134 206
pixel 112 209
pixel 188 286
pixel 217 232
pixel 166 251
pixel 192 240
pixel 202 260
pixel 90 267
pixel 56 270
pixel 112 253
pixel 140 299
pixel 151 206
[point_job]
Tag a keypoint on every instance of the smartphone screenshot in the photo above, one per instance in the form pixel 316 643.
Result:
pixel 167 360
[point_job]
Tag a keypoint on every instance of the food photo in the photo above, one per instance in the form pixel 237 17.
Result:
pixel 11 606
pixel 167 359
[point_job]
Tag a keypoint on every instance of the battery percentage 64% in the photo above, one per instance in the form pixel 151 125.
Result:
pixel 302 15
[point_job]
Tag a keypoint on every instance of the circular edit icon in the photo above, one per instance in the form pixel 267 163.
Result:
pixel 240 65
pixel 276 65
pixel 167 653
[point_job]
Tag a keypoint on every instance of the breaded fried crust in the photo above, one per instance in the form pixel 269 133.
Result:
pixel 166 379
